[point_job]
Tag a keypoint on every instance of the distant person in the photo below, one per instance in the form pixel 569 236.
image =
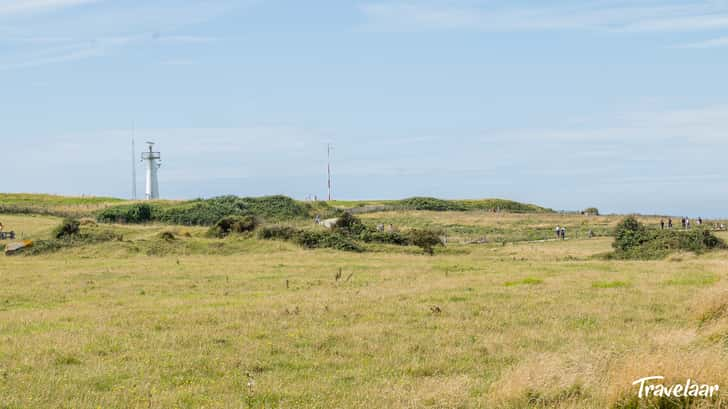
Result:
pixel 563 233
pixel 590 234
pixel 669 223
pixel 558 232
pixel 687 224
pixel 682 223
pixel 700 221
pixel 662 224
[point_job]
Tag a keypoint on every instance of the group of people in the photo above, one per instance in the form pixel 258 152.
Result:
pixel 560 232
pixel 685 223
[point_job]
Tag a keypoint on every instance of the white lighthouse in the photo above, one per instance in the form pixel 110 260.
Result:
pixel 152 158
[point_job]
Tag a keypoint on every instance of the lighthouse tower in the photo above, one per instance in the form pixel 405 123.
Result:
pixel 152 159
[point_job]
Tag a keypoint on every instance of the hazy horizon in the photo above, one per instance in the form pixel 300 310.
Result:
pixel 609 104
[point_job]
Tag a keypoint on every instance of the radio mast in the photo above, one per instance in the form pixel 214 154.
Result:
pixel 328 155
pixel 133 165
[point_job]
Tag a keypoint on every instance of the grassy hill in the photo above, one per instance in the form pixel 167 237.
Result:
pixel 434 204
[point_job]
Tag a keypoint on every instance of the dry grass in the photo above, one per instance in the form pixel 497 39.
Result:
pixel 107 327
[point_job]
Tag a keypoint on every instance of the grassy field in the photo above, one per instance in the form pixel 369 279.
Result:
pixel 243 323
pixel 26 203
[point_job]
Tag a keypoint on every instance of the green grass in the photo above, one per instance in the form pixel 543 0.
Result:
pixel 241 322
pixel 611 284
pixel 525 281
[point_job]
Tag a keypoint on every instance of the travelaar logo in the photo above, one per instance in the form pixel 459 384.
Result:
pixel 689 389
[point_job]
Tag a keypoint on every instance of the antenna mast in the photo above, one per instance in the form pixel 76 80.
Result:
pixel 328 155
pixel 133 165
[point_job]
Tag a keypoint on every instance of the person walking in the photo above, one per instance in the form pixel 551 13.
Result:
pixel 563 233
pixel 687 223
pixel 558 232
pixel 669 223
pixel 662 224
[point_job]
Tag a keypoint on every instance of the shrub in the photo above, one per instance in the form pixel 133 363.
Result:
pixel 277 233
pixel 426 239
pixel 630 233
pixel 310 239
pixel 69 227
pixel 591 211
pixel 167 236
pixel 322 239
pixel 233 224
pixel 635 241
pixel 395 238
pixel 350 225
pixel 133 213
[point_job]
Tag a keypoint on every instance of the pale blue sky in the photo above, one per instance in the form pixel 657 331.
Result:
pixel 621 105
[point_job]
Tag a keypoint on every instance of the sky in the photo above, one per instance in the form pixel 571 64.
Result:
pixel 620 105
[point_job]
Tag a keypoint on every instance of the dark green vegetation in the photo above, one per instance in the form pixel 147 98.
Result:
pixel 69 227
pixel 207 212
pixel 308 238
pixel 347 232
pixel 634 240
pixel 233 224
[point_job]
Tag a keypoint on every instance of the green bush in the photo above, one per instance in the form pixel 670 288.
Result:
pixel 310 239
pixel 233 224
pixel 277 233
pixel 630 233
pixel 349 224
pixel 591 211
pixel 395 238
pixel 426 239
pixel 133 213
pixel 323 239
pixel 633 240
pixel 69 227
